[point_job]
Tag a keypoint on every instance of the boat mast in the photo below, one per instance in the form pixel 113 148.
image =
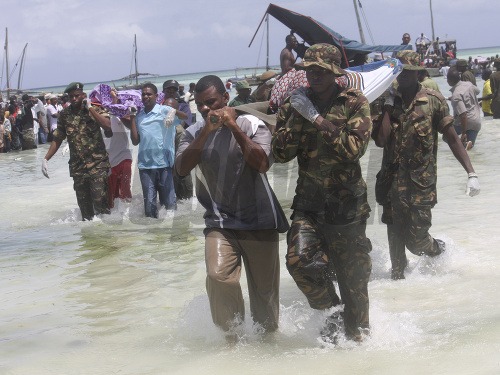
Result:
pixel 6 47
pixel 21 67
pixel 267 41
pixel 432 20
pixel 135 61
pixel 361 34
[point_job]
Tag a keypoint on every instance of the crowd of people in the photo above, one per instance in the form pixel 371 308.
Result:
pixel 28 120
pixel 325 125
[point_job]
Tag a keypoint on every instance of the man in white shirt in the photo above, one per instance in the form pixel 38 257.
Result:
pixel 53 109
pixel 120 158
pixel 189 98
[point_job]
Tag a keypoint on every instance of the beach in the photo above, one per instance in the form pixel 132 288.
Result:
pixel 125 294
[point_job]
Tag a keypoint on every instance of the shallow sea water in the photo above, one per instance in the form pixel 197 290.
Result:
pixel 124 294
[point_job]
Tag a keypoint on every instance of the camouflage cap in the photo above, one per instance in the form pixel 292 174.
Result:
pixel 462 62
pixel 325 56
pixel 410 60
pixel 73 86
pixel 243 84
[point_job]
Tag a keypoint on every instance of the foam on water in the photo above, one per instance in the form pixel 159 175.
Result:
pixel 126 294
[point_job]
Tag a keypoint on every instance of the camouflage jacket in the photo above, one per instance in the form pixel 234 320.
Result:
pixel 413 145
pixel 86 146
pixel 238 101
pixel 330 179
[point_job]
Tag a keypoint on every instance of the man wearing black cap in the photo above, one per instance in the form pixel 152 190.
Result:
pixel 183 185
pixel 80 123
pixel 171 90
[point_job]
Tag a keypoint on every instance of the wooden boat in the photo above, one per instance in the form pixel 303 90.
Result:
pixel 20 63
pixel 135 75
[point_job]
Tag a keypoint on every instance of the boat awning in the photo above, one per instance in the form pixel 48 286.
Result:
pixel 312 32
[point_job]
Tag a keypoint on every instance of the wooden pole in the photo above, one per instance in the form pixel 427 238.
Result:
pixel 21 67
pixel 135 61
pixel 361 35
pixel 6 47
pixel 432 21
pixel 267 42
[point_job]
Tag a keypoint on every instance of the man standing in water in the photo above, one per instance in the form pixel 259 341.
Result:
pixel 154 131
pixel 406 184
pixel 243 216
pixel 466 109
pixel 495 89
pixel 81 124
pixel 466 74
pixel 327 128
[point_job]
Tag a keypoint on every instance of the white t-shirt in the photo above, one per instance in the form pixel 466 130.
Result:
pixel 444 70
pixel 118 145
pixel 34 112
pixel 51 110
pixel 189 98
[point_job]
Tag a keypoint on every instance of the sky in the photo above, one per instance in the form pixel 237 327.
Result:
pixel 91 41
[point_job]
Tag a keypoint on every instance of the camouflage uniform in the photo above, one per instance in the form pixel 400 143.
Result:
pixel 327 235
pixel 238 101
pixel 410 160
pixel 24 123
pixel 88 162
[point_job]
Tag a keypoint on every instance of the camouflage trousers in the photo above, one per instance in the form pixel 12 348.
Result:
pixel 408 227
pixel 317 252
pixel 92 193
pixel 28 139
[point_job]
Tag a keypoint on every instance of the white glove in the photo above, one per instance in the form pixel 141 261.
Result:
pixel 169 118
pixel 45 168
pixel 301 103
pixel 473 187
pixel 87 103
pixel 132 110
pixel 65 149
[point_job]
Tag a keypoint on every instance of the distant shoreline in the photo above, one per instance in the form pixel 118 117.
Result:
pixel 465 52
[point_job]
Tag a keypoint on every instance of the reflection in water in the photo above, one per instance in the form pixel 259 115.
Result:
pixel 126 294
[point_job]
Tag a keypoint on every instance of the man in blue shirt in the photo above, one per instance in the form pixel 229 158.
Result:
pixel 153 129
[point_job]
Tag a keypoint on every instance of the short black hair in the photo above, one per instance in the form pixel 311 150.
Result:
pixel 209 81
pixel 150 85
pixel 486 74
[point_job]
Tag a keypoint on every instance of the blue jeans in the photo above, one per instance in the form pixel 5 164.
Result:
pixel 42 137
pixel 471 134
pixel 157 181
